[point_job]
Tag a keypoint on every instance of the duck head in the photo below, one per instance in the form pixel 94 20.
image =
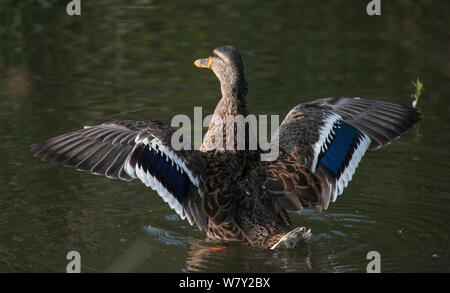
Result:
pixel 226 63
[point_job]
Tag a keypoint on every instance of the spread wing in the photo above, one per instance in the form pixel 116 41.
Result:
pixel 134 149
pixel 329 137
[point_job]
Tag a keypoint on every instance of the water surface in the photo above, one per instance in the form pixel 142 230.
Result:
pixel 134 60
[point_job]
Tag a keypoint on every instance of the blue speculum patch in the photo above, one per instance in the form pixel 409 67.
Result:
pixel 341 148
pixel 165 172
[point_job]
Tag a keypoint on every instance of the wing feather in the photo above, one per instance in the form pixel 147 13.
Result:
pixel 309 130
pixel 120 150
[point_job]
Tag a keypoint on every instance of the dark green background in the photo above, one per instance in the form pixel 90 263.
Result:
pixel 134 60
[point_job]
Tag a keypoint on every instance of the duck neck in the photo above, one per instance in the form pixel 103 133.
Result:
pixel 230 105
pixel 234 93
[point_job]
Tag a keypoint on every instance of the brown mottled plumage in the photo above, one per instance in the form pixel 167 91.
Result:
pixel 228 192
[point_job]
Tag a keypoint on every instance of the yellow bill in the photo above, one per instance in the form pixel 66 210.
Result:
pixel 203 63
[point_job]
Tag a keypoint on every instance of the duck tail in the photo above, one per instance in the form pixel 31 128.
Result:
pixel 291 239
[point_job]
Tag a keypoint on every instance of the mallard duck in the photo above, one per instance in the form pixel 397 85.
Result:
pixel 232 194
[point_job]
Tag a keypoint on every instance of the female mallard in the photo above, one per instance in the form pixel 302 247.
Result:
pixel 230 193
